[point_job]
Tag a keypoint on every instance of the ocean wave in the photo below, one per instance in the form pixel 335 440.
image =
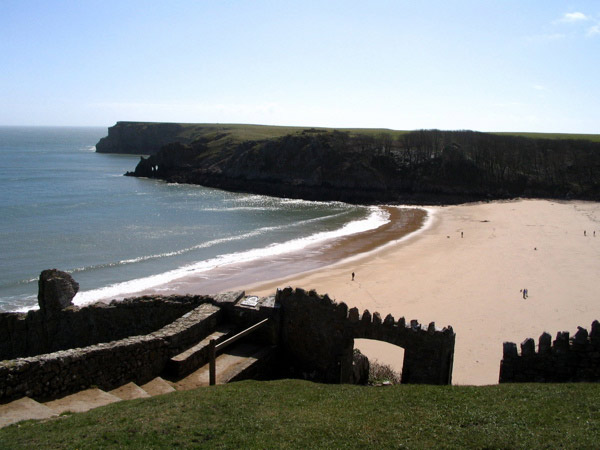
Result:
pixel 18 303
pixel 377 218
pixel 243 208
pixel 18 283
pixel 297 201
pixel 248 198
pixel 203 245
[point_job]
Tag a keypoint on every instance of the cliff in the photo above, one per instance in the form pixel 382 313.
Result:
pixel 140 138
pixel 427 166
pixel 147 138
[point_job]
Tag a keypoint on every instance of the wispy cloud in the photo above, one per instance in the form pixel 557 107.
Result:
pixel 577 19
pixel 592 31
pixel 539 87
pixel 574 17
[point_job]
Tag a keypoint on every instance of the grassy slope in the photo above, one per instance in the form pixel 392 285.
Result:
pixel 297 414
pixel 241 132
pixel 585 137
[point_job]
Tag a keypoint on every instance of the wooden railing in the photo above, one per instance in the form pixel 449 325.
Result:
pixel 213 348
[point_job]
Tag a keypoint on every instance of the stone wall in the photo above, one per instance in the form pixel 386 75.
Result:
pixel 315 342
pixel 428 351
pixel 317 335
pixel 106 365
pixel 36 333
pixel 563 360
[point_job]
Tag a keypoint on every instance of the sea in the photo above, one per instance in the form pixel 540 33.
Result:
pixel 64 206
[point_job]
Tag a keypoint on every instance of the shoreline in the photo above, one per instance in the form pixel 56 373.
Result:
pixel 403 222
pixel 473 283
pixel 428 221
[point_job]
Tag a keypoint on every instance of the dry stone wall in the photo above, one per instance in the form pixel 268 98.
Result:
pixel 315 336
pixel 106 365
pixel 36 333
pixel 564 360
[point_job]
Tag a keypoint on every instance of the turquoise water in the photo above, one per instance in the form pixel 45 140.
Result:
pixel 64 206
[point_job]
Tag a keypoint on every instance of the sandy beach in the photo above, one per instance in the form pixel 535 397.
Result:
pixel 474 282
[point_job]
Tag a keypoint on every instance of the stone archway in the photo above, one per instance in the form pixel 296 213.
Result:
pixel 429 352
pixel 382 354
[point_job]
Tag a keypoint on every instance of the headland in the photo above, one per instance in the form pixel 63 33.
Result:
pixel 363 166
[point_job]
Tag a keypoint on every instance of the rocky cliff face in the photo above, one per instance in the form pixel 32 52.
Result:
pixel 312 166
pixel 315 167
pixel 140 138
pixel 426 167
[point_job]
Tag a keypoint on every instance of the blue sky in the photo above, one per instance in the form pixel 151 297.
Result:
pixel 505 65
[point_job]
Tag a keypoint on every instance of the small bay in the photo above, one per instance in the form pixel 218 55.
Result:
pixel 64 206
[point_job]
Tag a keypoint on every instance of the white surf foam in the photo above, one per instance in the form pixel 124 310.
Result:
pixel 202 245
pixel 376 219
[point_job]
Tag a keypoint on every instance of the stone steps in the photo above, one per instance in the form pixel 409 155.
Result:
pixel 129 391
pixel 158 386
pixel 82 401
pixel 229 364
pixel 245 365
pixel 23 409
pixel 196 356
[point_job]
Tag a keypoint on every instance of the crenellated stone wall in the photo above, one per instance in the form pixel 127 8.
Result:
pixel 318 335
pixel 316 343
pixel 563 360
pixel 428 351
pixel 97 345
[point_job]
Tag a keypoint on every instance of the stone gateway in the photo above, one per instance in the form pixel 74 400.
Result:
pixel 63 349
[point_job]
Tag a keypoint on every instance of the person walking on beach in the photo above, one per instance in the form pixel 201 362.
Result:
pixel 352 276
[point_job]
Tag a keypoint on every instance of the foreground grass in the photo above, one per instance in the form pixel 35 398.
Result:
pixel 297 414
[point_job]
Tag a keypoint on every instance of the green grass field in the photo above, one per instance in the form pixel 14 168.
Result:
pixel 585 137
pixel 298 414
pixel 242 132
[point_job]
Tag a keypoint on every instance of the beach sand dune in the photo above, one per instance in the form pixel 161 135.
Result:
pixel 474 283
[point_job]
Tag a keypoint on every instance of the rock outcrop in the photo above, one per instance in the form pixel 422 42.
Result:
pixel 360 368
pixel 320 166
pixel 56 291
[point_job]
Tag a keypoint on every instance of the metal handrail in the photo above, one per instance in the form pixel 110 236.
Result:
pixel 213 348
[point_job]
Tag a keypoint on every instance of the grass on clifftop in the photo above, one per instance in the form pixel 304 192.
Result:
pixel 243 132
pixel 298 414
